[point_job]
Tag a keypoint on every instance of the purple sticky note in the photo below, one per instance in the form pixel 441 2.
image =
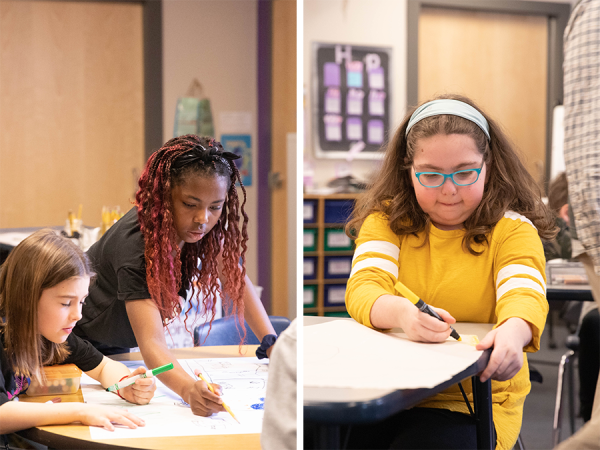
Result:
pixel 376 80
pixel 375 131
pixel 333 127
pixel 331 74
pixel 354 103
pixel 354 129
pixel 333 101
pixel 377 103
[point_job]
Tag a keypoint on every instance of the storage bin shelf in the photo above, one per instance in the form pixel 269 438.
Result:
pixel 328 251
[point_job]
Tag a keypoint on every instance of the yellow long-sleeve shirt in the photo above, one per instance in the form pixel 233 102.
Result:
pixel 506 280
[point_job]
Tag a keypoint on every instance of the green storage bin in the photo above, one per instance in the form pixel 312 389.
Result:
pixel 337 314
pixel 309 239
pixel 337 240
pixel 310 296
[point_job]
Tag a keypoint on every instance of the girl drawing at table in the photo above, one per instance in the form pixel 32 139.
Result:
pixel 456 217
pixel 43 284
pixel 187 226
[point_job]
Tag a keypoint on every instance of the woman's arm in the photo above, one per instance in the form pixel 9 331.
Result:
pixel 255 314
pixel 254 311
pixel 148 329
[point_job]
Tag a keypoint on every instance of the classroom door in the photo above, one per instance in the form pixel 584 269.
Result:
pixel 283 124
pixel 500 61
pixel 71 109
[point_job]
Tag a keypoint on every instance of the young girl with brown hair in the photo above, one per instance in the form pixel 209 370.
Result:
pixel 188 226
pixel 456 217
pixel 43 284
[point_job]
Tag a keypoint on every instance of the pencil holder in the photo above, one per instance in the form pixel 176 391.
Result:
pixel 60 379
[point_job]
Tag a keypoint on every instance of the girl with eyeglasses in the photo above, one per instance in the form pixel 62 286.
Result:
pixel 455 216
pixel 187 229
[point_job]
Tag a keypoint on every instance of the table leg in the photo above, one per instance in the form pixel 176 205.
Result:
pixel 482 400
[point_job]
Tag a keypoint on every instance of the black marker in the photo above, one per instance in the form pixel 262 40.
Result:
pixel 424 307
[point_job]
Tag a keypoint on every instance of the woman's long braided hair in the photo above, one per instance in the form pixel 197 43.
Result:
pixel 167 266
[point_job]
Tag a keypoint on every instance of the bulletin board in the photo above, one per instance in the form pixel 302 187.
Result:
pixel 351 99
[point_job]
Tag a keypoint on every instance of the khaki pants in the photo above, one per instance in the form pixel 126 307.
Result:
pixel 588 437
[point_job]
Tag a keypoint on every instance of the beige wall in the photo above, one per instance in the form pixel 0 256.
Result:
pixel 359 22
pixel 214 41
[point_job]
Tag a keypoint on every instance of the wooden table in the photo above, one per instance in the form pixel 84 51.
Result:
pixel 331 408
pixel 78 436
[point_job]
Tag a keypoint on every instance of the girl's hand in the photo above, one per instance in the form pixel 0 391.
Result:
pixel 508 341
pixel 105 416
pixel 202 401
pixel 421 327
pixel 142 391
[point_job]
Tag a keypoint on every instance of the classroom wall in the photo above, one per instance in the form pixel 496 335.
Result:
pixel 358 22
pixel 214 41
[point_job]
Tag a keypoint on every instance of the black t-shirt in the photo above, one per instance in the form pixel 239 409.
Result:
pixel 83 355
pixel 120 266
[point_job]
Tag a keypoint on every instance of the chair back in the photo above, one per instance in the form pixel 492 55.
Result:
pixel 224 331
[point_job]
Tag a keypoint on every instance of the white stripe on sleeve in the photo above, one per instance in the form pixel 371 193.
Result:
pixel 518 283
pixel 378 263
pixel 519 269
pixel 384 247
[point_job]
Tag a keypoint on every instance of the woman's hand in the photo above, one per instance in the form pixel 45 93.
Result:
pixel 508 341
pixel 105 416
pixel 202 401
pixel 142 391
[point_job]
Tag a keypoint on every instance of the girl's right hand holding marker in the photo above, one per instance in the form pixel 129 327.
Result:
pixel 390 311
pixel 421 327
pixel 142 391
pixel 202 401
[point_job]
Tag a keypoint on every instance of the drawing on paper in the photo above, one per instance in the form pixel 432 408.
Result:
pixel 243 382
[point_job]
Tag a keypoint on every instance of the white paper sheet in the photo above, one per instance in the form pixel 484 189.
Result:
pixel 346 354
pixel 243 381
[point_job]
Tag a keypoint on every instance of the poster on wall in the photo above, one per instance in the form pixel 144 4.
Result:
pixel 240 144
pixel 351 100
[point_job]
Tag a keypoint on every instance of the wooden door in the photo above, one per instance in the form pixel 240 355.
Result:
pixel 500 61
pixel 71 109
pixel 283 123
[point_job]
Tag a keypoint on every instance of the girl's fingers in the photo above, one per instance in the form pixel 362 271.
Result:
pixel 444 315
pixel 128 420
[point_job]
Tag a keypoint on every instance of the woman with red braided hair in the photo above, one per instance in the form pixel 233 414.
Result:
pixel 188 226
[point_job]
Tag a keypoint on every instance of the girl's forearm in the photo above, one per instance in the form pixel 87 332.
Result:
pixel 112 372
pixel 387 311
pixel 155 354
pixel 520 329
pixel 16 416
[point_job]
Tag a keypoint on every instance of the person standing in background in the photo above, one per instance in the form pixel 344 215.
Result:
pixel 582 159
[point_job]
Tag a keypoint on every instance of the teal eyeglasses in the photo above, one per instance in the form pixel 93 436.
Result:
pixel 460 178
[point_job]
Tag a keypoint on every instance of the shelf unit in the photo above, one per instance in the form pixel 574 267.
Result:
pixel 327 253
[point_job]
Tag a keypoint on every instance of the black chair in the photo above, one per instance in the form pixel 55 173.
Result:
pixel 224 331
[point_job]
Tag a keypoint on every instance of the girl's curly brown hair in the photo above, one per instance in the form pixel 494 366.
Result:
pixel 508 185
pixel 166 264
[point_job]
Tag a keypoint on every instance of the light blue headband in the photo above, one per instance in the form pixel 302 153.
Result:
pixel 451 107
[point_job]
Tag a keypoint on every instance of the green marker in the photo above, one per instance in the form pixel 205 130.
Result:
pixel 129 381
